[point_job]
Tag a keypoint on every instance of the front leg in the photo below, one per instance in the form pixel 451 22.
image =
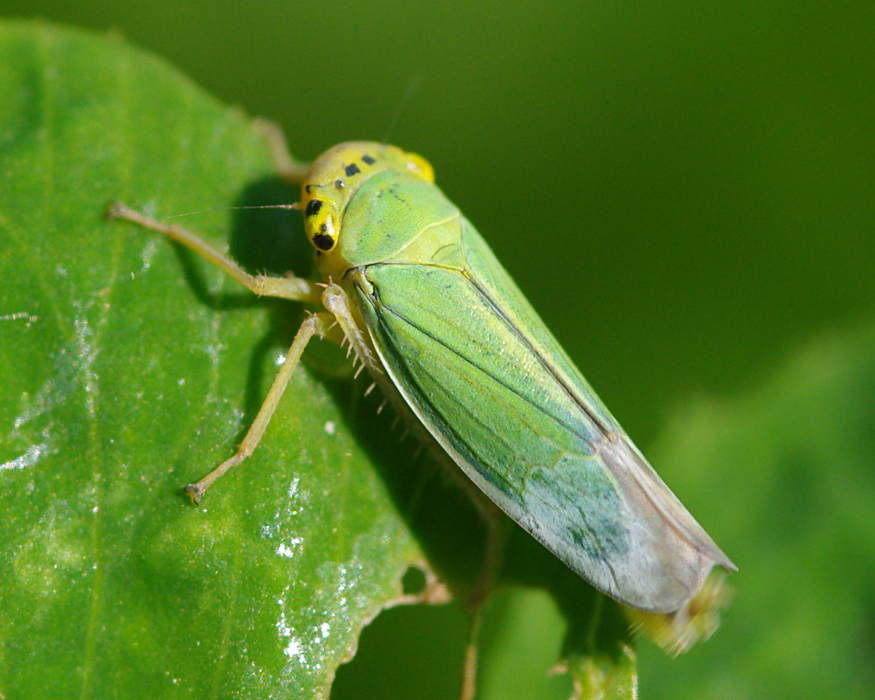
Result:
pixel 293 288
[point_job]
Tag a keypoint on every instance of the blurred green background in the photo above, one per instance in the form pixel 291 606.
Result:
pixel 685 191
pixel 697 176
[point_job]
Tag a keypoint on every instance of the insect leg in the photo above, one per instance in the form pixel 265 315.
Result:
pixel 483 586
pixel 286 166
pixel 312 325
pixel 468 691
pixel 293 288
pixel 335 300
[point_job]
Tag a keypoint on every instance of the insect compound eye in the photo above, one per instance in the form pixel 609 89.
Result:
pixel 319 221
pixel 418 165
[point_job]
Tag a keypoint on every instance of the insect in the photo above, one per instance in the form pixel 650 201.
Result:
pixel 417 293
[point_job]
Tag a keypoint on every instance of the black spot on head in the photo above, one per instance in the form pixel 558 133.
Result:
pixel 313 207
pixel 309 188
pixel 351 170
pixel 339 184
pixel 368 159
pixel 323 242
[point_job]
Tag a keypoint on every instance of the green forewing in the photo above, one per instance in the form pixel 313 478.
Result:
pixel 478 367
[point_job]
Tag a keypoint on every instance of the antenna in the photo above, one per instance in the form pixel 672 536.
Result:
pixel 412 89
pixel 296 205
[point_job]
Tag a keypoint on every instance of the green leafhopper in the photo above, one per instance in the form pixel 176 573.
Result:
pixel 428 309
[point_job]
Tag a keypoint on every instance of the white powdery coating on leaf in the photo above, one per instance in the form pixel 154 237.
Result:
pixel 18 316
pixel 289 550
pixel 87 356
pixel 293 648
pixel 28 459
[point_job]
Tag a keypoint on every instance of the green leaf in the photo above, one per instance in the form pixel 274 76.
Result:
pixel 132 368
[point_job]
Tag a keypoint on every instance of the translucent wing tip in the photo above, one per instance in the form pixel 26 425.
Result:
pixel 695 622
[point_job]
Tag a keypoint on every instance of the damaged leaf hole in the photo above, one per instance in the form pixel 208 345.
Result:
pixel 413 581
pixel 412 650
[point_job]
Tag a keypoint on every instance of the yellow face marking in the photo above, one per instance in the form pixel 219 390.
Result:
pixel 336 175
